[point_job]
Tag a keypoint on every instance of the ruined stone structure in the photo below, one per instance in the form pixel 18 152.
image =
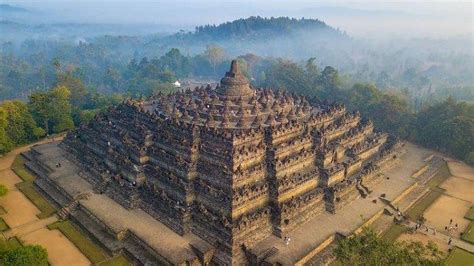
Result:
pixel 232 165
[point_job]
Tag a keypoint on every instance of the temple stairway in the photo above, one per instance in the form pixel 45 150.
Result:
pixel 363 190
pixel 64 212
pixel 102 186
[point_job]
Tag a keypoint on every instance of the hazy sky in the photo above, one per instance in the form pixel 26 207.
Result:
pixel 358 18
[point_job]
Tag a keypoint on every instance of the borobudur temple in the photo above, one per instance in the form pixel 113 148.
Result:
pixel 231 165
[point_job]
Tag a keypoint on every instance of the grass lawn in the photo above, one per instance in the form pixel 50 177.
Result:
pixel 116 261
pixel 416 210
pixel 394 232
pixel 468 234
pixel 3 226
pixel 470 214
pixel 41 203
pixel 26 187
pixel 440 176
pixel 460 257
pixel 92 251
pixel 19 168
pixel 6 245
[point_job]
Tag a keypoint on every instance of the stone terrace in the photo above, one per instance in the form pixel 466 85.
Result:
pixel 118 219
pixel 169 244
pixel 349 217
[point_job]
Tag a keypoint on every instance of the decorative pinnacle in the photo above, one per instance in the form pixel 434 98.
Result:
pixel 234 68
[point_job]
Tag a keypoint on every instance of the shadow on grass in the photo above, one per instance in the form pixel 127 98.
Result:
pixel 26 187
pixel 93 252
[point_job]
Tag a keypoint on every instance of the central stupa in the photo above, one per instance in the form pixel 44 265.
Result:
pixel 234 83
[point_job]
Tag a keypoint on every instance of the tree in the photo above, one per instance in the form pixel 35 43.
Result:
pixel 20 123
pixel 447 126
pixel 285 74
pixel 26 256
pixel 74 84
pixel 174 61
pixel 61 115
pixel 39 107
pixel 215 55
pixel 6 143
pixel 57 64
pixel 470 158
pixel 367 248
pixel 52 109
pixel 251 60
pixel 329 78
pixel 312 69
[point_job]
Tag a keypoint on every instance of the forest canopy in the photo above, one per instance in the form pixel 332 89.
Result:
pixel 62 84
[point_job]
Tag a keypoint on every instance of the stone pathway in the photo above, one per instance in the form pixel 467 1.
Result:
pixel 385 221
pixel 21 218
pixel 30 227
pixel 443 236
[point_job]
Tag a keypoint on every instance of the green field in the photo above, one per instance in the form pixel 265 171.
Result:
pixel 470 214
pixel 468 234
pixel 416 211
pixel 116 261
pixel 19 168
pixel 6 245
pixel 392 233
pixel 26 187
pixel 440 176
pixel 460 257
pixel 41 203
pixel 93 252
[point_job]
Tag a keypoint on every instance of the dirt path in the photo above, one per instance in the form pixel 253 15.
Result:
pixel 21 218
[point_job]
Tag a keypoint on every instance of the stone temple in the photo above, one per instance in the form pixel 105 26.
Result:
pixel 231 166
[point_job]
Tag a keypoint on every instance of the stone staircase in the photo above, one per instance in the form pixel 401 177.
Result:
pixel 269 252
pixel 363 190
pixel 65 211
pixel 368 191
pixel 102 186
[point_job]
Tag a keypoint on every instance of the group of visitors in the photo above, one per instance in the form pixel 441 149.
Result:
pixel 450 228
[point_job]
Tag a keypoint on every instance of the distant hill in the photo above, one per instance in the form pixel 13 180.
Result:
pixel 258 27
pixel 12 9
pixel 281 36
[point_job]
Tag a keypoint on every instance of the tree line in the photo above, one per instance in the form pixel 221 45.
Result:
pixel 424 69
pixel 446 125
pixel 62 107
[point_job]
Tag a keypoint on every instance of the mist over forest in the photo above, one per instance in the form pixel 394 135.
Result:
pixel 408 59
pixel 422 66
